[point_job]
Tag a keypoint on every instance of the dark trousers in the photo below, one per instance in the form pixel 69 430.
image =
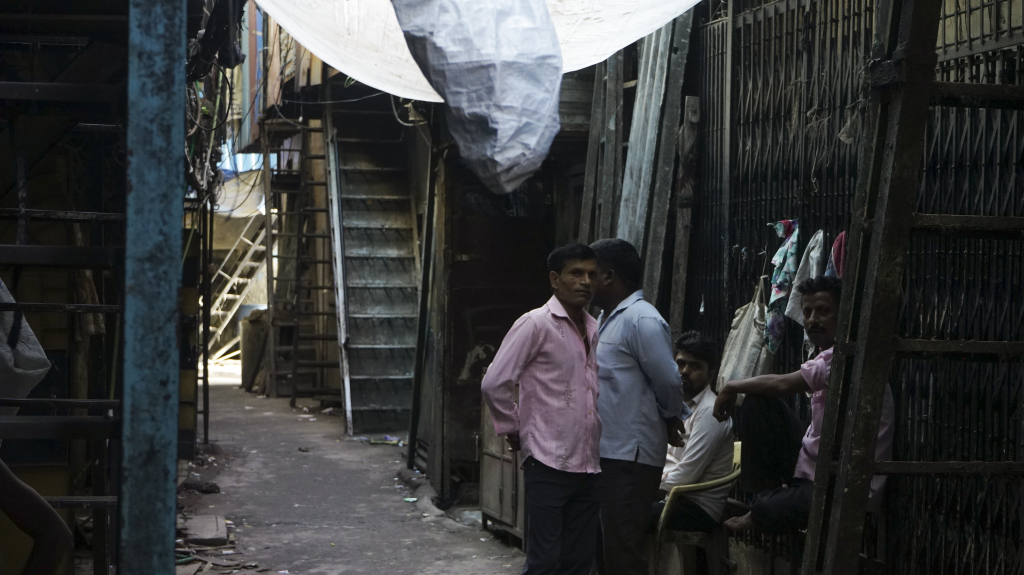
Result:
pixel 784 508
pixel 772 435
pixel 562 511
pixel 628 489
pixel 688 516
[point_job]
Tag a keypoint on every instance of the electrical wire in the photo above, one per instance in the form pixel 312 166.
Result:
pixel 227 109
pixel 334 101
pixel 395 110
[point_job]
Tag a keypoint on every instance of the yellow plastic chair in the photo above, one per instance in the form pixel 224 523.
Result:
pixel 715 544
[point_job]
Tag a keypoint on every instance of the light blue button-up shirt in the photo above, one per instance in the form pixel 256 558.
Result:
pixel 640 385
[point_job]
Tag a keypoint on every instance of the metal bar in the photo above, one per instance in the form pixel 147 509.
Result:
pixel 224 348
pixel 992 96
pixel 207 291
pixel 334 194
pixel 58 427
pixel 58 92
pixel 60 307
pixel 61 403
pixel 423 321
pixel 59 215
pixel 155 141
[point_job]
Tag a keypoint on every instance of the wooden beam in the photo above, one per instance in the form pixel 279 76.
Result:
pixel 643 137
pixel 684 209
pixel 664 169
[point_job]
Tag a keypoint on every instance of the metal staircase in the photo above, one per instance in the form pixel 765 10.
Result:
pixel 234 279
pixel 300 294
pixel 378 241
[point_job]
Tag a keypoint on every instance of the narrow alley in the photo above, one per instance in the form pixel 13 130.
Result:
pixel 304 498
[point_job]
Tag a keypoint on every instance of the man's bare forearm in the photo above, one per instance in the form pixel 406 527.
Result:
pixel 772 385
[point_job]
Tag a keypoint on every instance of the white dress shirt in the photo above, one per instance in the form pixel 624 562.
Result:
pixel 707 455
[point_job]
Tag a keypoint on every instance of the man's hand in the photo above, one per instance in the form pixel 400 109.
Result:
pixel 513 442
pixel 725 405
pixel 662 495
pixel 676 432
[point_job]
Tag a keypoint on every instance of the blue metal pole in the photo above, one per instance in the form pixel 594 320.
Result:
pixel 156 184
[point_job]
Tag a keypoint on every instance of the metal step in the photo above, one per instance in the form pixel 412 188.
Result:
pixel 318 337
pixel 376 198
pixel 295 235
pixel 318 363
pixel 371 346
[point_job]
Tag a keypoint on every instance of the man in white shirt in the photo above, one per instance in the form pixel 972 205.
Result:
pixel 708 452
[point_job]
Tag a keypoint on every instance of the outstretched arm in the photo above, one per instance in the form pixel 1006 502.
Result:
pixel 781 385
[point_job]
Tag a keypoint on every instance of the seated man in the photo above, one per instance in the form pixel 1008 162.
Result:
pixel 708 452
pixel 766 424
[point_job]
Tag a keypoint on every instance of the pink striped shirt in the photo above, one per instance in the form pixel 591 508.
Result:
pixel 556 417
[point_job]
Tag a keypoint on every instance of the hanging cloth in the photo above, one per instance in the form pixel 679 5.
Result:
pixel 785 262
pixel 23 363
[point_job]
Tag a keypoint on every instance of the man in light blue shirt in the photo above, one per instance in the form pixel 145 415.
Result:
pixel 641 398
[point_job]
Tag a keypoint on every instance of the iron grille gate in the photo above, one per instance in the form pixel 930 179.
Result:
pixel 783 100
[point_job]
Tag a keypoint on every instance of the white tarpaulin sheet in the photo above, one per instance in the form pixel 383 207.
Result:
pixel 362 38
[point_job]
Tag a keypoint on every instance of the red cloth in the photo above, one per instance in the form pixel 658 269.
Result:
pixel 839 253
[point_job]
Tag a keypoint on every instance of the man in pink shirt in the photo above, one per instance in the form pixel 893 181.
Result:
pixel 550 355
pixel 787 507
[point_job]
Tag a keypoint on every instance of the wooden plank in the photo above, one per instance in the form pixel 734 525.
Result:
pixel 643 137
pixel 597 132
pixel 684 208
pixel 610 181
pixel 664 169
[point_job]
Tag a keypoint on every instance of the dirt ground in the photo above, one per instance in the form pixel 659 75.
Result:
pixel 305 499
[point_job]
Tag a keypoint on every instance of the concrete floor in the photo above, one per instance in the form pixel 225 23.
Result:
pixel 334 509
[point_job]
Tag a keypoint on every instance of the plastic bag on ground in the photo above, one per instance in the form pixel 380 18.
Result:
pixel 498 67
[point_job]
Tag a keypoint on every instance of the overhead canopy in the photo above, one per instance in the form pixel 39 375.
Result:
pixel 362 39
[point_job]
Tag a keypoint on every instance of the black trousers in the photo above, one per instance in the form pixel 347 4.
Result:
pixel 688 516
pixel 628 489
pixel 784 508
pixel 772 436
pixel 562 511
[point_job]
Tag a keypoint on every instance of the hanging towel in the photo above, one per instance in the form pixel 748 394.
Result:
pixel 785 263
pixel 810 267
pixel 837 258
